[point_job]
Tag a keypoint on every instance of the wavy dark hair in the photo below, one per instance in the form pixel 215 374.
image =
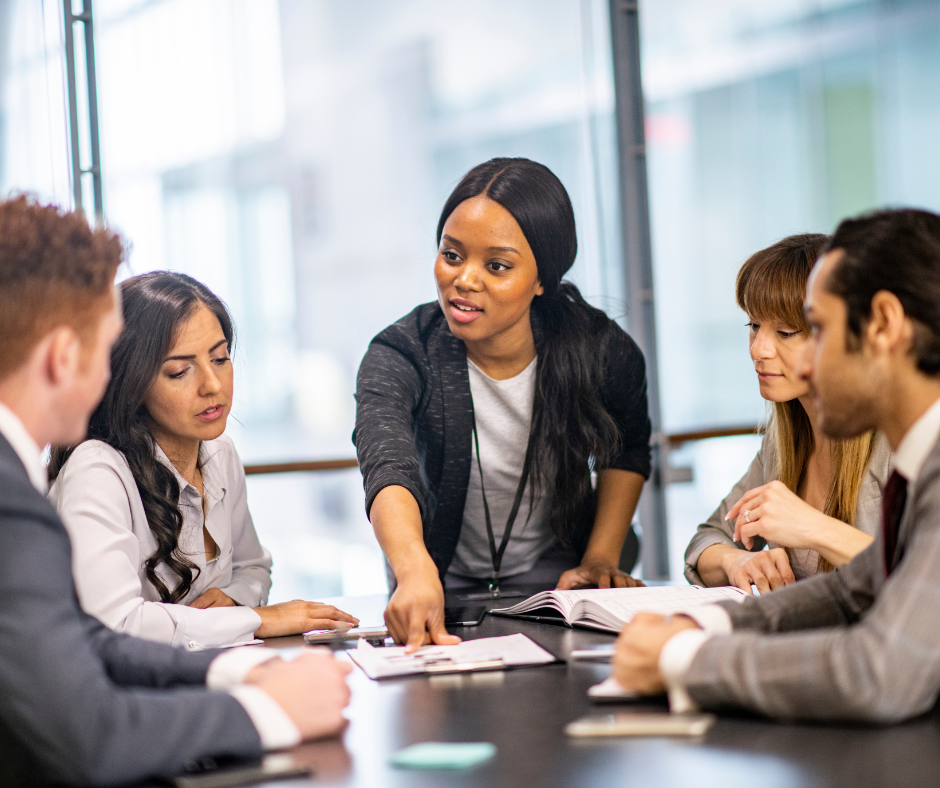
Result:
pixel 155 306
pixel 572 430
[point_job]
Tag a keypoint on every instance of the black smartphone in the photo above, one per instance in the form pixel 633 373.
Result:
pixel 464 616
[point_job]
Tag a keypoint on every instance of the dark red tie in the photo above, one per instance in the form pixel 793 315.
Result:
pixel 892 506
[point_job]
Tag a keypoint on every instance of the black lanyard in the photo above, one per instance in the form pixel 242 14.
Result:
pixel 497 553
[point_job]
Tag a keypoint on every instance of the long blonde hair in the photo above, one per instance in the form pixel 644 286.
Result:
pixel 770 286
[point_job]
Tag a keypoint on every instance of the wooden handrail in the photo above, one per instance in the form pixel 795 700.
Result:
pixel 313 466
pixel 293 467
pixel 678 438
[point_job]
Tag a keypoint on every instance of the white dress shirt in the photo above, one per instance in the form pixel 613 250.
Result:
pixel 677 655
pixel 97 498
pixel 227 671
pixel 25 447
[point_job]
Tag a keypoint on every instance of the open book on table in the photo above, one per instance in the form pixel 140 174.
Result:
pixel 608 609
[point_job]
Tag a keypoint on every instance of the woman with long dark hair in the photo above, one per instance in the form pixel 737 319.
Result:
pixel 484 417
pixel 155 499
pixel 814 502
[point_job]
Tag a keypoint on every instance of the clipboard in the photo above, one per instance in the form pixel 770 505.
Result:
pixel 481 654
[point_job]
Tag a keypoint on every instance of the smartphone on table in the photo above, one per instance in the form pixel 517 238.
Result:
pixel 640 724
pixel 465 616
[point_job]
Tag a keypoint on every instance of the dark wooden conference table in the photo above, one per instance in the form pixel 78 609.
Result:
pixel 524 711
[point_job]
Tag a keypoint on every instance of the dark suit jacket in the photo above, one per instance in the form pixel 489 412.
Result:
pixel 853 644
pixel 414 421
pixel 79 703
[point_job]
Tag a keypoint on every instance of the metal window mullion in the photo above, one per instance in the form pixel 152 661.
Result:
pixel 86 19
pixel 638 267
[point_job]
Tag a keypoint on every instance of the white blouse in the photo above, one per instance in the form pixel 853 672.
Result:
pixel 97 498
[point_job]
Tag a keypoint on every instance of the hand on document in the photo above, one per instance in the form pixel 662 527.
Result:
pixel 415 612
pixel 636 660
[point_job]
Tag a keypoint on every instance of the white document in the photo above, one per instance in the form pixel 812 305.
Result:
pixel 481 654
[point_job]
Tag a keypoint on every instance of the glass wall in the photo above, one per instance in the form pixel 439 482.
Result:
pixel 294 155
pixel 34 138
pixel 766 119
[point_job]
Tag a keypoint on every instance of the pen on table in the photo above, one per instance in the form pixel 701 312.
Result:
pixel 602 654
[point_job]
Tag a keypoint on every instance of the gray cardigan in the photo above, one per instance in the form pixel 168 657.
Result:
pixel 414 421
pixel 717 530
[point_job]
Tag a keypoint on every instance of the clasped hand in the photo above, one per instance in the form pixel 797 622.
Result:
pixel 636 659
pixel 311 689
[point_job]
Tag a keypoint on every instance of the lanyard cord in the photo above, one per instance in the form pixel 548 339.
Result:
pixel 497 554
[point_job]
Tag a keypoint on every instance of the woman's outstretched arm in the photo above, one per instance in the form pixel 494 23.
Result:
pixel 415 612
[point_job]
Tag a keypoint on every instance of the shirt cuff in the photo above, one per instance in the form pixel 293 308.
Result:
pixel 675 659
pixel 714 619
pixel 229 669
pixel 275 727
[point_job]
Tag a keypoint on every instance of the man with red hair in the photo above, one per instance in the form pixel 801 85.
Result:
pixel 78 702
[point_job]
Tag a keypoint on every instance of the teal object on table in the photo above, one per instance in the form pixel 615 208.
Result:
pixel 444 755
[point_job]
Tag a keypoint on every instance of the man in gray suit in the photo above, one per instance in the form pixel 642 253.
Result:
pixel 78 702
pixel 862 642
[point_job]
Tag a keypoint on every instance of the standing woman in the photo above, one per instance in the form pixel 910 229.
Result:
pixel 155 500
pixel 482 416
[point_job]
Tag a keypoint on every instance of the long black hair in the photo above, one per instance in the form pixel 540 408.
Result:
pixel 571 428
pixel 155 306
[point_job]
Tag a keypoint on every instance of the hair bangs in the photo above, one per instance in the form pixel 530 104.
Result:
pixel 774 292
pixel 771 284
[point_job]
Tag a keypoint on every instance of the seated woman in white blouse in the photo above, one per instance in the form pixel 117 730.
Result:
pixel 155 499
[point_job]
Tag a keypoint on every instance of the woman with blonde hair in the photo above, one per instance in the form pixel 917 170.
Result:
pixel 813 502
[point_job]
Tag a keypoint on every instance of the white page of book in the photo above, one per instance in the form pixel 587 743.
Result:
pixel 626 601
pixel 662 600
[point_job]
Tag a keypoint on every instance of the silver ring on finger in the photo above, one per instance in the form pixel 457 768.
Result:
pixel 747 515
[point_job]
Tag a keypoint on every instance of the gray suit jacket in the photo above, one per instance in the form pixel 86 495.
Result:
pixel 79 703
pixel 853 644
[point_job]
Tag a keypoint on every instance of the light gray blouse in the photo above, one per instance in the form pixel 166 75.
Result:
pixel 97 498
pixel 717 530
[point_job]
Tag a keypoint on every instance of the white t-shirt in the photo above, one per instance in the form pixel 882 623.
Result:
pixel 503 412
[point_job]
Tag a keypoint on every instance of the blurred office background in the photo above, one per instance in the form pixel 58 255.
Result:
pixel 294 155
